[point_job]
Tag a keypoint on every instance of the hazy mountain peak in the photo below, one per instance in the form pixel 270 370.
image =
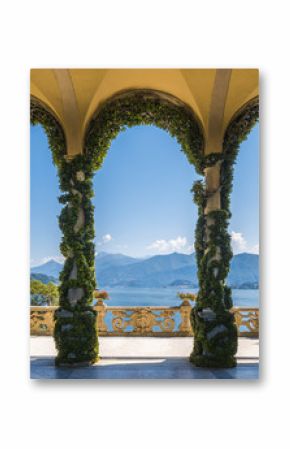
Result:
pixel 116 269
pixel 49 268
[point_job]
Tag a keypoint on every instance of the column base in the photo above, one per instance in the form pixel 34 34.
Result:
pixel 76 338
pixel 206 361
pixel 83 364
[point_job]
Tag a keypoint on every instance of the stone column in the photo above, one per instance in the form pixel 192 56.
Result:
pixel 215 336
pixel 212 180
pixel 100 307
pixel 75 328
pixel 185 310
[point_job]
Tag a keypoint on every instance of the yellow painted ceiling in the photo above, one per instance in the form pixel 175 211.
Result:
pixel 215 95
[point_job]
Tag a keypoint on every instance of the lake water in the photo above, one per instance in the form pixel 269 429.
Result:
pixel 168 297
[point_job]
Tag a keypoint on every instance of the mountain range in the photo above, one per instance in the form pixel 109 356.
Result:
pixel 174 269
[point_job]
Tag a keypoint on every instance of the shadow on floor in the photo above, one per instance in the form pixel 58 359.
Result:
pixel 141 368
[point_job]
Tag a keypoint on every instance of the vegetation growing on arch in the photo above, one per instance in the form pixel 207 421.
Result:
pixel 215 342
pixel 75 329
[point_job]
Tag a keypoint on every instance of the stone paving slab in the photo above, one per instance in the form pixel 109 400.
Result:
pixel 142 358
pixel 122 368
pixel 143 347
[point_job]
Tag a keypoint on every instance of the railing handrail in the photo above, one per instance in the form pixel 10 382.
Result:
pixel 158 321
pixel 141 307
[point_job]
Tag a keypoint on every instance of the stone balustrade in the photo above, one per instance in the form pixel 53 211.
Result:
pixel 144 321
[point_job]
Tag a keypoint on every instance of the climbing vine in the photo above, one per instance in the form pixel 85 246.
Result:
pixel 56 139
pixel 76 339
pixel 215 334
pixel 236 133
pixel 75 330
pixel 143 108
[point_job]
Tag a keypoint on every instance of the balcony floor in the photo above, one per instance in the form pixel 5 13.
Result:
pixel 142 358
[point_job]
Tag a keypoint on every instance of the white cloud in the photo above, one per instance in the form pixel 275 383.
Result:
pixel 240 244
pixel 190 249
pixel 255 249
pixel 169 246
pixel 107 238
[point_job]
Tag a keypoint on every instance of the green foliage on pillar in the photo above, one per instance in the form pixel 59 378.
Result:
pixel 215 333
pixel 76 339
pixel 75 321
pixel 75 329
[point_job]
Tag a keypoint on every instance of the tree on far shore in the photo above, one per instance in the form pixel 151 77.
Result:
pixel 43 294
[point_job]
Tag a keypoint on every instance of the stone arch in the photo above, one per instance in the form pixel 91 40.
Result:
pixel 135 107
pixel 41 114
pixel 132 108
pixel 147 107
pixel 236 132
pixel 215 342
pixel 75 329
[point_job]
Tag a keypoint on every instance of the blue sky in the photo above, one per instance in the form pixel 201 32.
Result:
pixel 143 204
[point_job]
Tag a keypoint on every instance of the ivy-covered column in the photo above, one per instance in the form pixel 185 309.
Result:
pixel 75 321
pixel 215 334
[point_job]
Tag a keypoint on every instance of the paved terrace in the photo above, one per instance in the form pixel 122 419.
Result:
pixel 143 358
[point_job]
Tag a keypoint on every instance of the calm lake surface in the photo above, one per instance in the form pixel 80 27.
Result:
pixel 168 297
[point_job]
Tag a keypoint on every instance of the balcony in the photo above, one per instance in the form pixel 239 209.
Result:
pixel 142 355
pixel 144 321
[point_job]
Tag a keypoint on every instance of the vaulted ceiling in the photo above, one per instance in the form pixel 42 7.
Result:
pixel 214 95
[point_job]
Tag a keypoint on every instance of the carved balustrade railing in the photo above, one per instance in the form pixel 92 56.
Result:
pixel 247 321
pixel 145 321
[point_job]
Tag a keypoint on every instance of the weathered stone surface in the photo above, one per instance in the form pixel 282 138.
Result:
pixel 64 314
pixel 212 178
pixel 75 294
pixel 80 176
pixel 216 330
pixel 207 314
pixel 80 221
pixel 74 271
pixel 66 327
pixel 89 313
